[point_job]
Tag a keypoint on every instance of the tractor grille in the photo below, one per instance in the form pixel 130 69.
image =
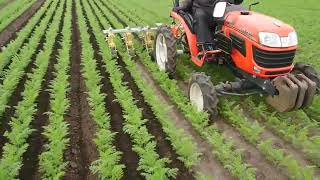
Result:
pixel 273 59
pixel 239 44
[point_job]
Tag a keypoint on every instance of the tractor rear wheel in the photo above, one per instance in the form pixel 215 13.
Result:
pixel 166 50
pixel 308 71
pixel 202 94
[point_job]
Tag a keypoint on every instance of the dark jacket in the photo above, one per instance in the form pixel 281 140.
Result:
pixel 188 4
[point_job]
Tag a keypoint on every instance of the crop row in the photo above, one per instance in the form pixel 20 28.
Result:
pixel 21 61
pixel 17 144
pixel 223 147
pixel 51 159
pixel 252 133
pixel 107 166
pixel 298 135
pixel 13 11
pixel 144 144
pixel 181 142
pixel 13 46
pixel 296 127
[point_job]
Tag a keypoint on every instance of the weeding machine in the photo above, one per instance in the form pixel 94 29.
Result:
pixel 258 49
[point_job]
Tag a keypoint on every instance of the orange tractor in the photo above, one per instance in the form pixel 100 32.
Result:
pixel 258 49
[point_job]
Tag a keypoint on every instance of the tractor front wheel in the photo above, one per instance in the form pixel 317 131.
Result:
pixel 166 50
pixel 202 94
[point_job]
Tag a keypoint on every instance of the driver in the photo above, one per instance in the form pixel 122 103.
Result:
pixel 204 25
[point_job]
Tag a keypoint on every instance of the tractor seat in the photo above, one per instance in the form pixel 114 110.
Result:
pixel 188 19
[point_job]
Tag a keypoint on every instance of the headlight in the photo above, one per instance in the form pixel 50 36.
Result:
pixel 292 39
pixel 270 39
pixel 274 40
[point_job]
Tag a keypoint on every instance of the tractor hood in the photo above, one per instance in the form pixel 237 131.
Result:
pixel 251 23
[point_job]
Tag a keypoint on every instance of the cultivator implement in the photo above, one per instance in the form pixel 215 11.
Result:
pixel 128 34
pixel 294 92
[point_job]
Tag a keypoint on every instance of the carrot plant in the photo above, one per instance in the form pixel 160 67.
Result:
pixel 13 10
pixel 181 142
pixel 13 46
pixel 223 149
pixel 252 133
pixel 19 63
pixel 51 160
pixel 19 132
pixel 107 166
pixel 151 165
pixel 298 135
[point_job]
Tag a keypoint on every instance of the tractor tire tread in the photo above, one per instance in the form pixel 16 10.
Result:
pixel 210 95
pixel 171 49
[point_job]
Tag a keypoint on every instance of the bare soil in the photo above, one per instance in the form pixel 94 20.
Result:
pixel 30 167
pixel 82 150
pixel 164 147
pixel 10 32
pixel 208 164
pixel 264 168
pixel 16 96
pixel 122 140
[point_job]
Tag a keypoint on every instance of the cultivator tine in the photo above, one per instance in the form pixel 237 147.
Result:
pixel 112 45
pixel 128 37
pixel 148 39
pixel 294 92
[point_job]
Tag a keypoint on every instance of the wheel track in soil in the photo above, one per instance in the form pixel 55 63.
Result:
pixel 265 168
pixel 16 96
pixel 163 146
pixel 11 30
pixel 122 140
pixel 36 140
pixel 81 150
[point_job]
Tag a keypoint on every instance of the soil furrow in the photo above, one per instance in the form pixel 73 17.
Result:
pixel 208 164
pixel 30 167
pixel 122 140
pixel 251 154
pixel 40 44
pixel 81 151
pixel 10 31
pixel 16 95
pixel 164 148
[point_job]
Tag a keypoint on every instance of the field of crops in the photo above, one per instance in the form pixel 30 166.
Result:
pixel 69 110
